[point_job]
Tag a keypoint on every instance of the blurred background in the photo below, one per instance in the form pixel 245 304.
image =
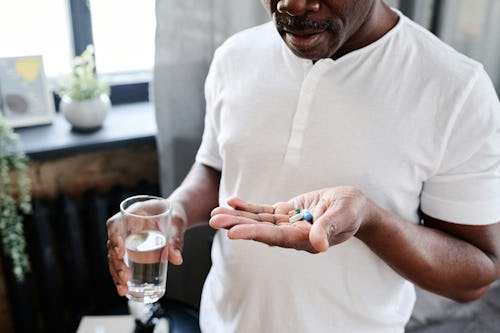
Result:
pixel 123 32
pixel 155 56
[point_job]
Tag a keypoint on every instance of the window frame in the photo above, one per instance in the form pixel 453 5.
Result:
pixel 81 24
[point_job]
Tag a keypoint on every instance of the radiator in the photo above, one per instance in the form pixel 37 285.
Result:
pixel 66 239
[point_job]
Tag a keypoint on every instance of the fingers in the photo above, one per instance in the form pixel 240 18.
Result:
pixel 280 208
pixel 171 254
pixel 263 233
pixel 284 235
pixel 283 207
pixel 176 243
pixel 116 246
pixel 112 224
pixel 120 274
pixel 337 213
pixel 147 208
pixel 226 221
pixel 174 255
pixel 270 224
pixel 240 204
pixel 176 237
pixel 119 271
pixel 226 218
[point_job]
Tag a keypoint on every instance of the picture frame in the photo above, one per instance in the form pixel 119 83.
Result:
pixel 25 97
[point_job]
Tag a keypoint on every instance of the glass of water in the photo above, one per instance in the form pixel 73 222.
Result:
pixel 146 224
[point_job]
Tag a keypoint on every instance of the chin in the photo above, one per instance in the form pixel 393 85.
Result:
pixel 310 54
pixel 314 52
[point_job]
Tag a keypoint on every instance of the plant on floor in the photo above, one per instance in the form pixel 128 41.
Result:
pixel 15 199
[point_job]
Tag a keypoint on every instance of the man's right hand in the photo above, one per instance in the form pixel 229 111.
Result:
pixel 120 273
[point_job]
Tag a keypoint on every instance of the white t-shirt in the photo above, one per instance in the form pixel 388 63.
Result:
pixel 408 120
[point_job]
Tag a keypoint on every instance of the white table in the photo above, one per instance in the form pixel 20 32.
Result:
pixel 115 324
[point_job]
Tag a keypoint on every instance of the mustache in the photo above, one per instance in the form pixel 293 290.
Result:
pixel 302 23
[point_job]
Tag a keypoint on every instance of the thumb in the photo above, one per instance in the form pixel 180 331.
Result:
pixel 322 231
pixel 318 236
pixel 173 253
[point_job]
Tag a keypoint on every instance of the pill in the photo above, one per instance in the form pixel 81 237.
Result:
pixel 307 215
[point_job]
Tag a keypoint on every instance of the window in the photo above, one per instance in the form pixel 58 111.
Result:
pixel 28 27
pixel 122 32
pixel 123 35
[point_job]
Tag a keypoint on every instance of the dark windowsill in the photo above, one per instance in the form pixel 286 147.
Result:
pixel 126 124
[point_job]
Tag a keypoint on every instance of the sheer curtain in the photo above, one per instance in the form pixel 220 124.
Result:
pixel 472 27
pixel 188 32
pixel 469 26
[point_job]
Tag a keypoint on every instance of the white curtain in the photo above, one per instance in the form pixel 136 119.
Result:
pixel 472 27
pixel 187 34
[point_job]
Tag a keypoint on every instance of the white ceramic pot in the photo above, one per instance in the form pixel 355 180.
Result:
pixel 85 115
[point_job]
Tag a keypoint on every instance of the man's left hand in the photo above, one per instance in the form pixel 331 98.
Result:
pixel 338 213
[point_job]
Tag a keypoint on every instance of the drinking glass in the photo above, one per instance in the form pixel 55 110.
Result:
pixel 146 223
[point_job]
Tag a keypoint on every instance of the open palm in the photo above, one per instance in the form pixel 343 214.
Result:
pixel 338 213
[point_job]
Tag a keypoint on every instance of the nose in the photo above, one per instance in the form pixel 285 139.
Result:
pixel 297 7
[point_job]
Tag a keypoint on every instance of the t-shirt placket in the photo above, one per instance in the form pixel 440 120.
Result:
pixel 299 123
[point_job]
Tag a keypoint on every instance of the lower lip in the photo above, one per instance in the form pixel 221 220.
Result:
pixel 303 41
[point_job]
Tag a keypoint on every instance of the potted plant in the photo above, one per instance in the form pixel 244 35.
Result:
pixel 84 97
pixel 15 199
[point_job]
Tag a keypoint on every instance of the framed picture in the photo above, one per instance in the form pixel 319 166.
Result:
pixel 25 98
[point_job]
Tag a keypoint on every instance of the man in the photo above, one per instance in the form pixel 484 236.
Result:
pixel 389 138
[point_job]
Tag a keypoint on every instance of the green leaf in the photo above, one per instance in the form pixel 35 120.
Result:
pixel 15 199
